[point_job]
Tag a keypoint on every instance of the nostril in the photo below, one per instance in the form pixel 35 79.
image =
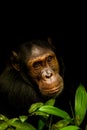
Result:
pixel 49 75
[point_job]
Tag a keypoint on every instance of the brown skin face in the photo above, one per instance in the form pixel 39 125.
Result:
pixel 44 69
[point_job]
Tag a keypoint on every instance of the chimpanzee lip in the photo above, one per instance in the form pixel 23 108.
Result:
pixel 53 90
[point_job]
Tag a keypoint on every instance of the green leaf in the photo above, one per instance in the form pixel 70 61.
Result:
pixel 2 117
pixel 40 113
pixel 12 121
pixel 41 124
pixel 55 111
pixel 22 126
pixel 35 106
pixel 71 127
pixel 23 118
pixel 80 104
pixel 50 102
pixel 10 128
pixel 3 125
pixel 60 124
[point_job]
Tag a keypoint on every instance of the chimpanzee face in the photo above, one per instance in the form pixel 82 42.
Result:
pixel 44 69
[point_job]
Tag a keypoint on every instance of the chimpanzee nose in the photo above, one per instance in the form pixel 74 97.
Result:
pixel 46 73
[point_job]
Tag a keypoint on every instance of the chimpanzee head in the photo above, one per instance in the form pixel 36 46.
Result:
pixel 37 60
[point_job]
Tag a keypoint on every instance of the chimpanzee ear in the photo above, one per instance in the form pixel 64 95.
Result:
pixel 49 39
pixel 15 60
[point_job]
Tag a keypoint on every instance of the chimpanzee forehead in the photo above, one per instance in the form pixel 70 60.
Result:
pixel 39 51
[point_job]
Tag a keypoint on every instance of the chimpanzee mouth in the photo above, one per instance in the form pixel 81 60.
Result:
pixel 53 91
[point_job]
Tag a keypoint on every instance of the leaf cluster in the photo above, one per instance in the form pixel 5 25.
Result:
pixel 46 111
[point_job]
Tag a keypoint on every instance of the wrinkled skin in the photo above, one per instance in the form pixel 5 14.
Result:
pixel 44 69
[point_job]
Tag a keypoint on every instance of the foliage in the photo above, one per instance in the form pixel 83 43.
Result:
pixel 46 111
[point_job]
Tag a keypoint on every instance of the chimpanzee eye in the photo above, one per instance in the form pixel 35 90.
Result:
pixel 49 58
pixel 37 64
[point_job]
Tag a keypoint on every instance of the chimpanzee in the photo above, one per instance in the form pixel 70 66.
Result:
pixel 32 74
